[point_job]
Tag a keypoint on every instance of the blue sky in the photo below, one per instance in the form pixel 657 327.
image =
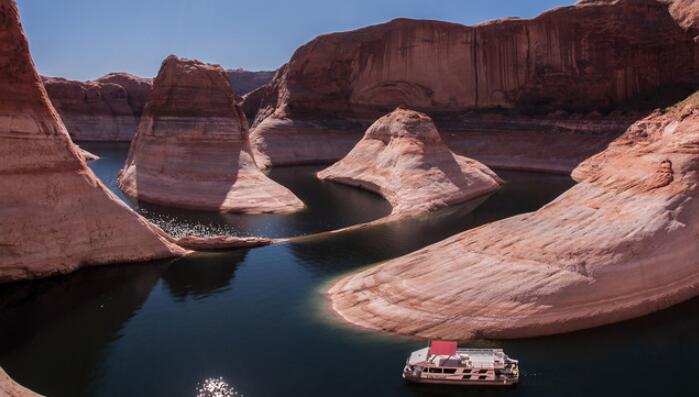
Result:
pixel 85 39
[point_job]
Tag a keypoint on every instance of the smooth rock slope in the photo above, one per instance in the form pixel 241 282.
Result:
pixel 403 158
pixel 192 148
pixel 622 243
pixel 107 109
pixel 55 215
pixel 584 62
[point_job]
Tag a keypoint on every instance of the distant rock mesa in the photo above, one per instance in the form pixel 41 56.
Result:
pixel 107 109
pixel 245 81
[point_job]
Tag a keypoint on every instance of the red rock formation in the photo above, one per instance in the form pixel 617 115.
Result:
pixel 9 388
pixel 592 57
pixel 55 215
pixel 107 109
pixel 403 158
pixel 245 81
pixel 192 148
pixel 620 244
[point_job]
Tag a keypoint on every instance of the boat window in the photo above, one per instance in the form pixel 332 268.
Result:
pixel 482 377
pixel 449 370
pixel 435 370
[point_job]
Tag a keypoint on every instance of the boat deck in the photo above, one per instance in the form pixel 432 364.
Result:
pixel 475 358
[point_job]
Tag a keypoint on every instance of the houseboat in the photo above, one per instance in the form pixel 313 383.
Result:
pixel 443 362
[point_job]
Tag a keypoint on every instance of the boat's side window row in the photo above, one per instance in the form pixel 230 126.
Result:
pixel 441 370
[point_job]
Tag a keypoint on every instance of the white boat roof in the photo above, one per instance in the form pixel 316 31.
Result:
pixel 479 358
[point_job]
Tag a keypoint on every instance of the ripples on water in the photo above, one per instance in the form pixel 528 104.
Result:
pixel 178 227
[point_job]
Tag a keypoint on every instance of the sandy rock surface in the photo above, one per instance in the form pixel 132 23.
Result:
pixel 403 158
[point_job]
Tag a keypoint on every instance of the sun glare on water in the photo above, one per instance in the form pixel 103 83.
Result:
pixel 216 387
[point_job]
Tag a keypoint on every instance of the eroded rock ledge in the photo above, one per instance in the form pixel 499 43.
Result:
pixel 192 148
pixel 620 244
pixel 403 158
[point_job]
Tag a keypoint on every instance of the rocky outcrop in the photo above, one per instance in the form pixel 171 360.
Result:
pixel 55 215
pixel 107 109
pixel 9 388
pixel 620 244
pixel 585 59
pixel 403 158
pixel 245 81
pixel 192 148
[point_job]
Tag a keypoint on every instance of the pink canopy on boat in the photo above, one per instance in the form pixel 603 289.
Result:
pixel 443 347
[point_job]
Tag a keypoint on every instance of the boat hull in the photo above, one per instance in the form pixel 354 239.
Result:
pixel 459 382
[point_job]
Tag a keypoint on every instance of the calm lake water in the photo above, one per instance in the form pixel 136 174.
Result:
pixel 257 318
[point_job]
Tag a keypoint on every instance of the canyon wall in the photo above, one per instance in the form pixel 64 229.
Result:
pixel 622 243
pixel 107 109
pixel 570 63
pixel 192 148
pixel 55 215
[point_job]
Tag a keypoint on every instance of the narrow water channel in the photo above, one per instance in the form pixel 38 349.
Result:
pixel 258 318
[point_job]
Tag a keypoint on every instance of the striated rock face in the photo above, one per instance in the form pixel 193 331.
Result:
pixel 245 81
pixel 107 109
pixel 9 388
pixel 55 215
pixel 403 158
pixel 192 148
pixel 620 244
pixel 592 57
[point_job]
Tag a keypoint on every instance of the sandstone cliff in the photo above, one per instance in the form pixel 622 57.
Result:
pixel 403 158
pixel 580 59
pixel 620 244
pixel 192 148
pixel 107 109
pixel 55 215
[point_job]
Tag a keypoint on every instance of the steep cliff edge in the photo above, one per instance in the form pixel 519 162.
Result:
pixel 107 109
pixel 620 244
pixel 403 158
pixel 580 60
pixel 55 215
pixel 192 148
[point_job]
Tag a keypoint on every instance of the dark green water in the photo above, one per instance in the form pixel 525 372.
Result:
pixel 257 318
